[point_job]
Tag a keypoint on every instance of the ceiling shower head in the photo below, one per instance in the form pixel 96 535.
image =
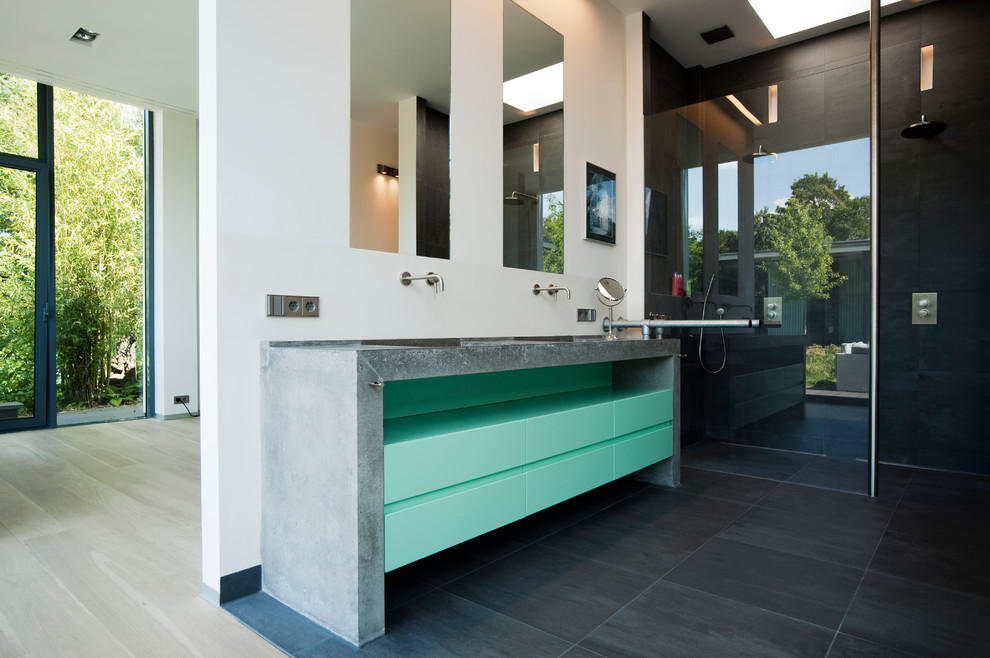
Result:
pixel 923 128
pixel 516 198
pixel 759 153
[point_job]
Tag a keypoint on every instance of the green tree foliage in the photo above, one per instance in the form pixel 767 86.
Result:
pixel 99 217
pixel 844 218
pixel 18 135
pixel 553 233
pixel 803 267
pixel 819 212
pixel 696 261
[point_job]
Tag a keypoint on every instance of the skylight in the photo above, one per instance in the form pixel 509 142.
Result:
pixel 783 17
pixel 535 90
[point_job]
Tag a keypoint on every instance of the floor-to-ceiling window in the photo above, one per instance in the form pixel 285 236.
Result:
pixel 72 245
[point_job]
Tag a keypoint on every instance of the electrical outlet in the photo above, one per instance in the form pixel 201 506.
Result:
pixel 311 307
pixel 292 306
pixel 180 399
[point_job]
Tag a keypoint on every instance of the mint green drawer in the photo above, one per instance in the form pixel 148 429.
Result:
pixel 557 481
pixel 415 532
pixel 642 449
pixel 637 411
pixel 427 464
pixel 556 433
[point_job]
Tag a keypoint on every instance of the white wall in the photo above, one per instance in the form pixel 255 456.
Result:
pixel 176 349
pixel 267 227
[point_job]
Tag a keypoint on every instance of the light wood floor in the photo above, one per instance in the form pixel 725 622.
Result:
pixel 100 545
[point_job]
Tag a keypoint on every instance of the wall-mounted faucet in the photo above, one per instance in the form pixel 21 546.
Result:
pixel 551 290
pixel 431 278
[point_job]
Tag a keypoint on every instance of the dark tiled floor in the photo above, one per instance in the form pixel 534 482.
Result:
pixel 725 565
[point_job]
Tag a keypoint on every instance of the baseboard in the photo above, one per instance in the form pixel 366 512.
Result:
pixel 235 585
pixel 173 416
pixel 210 595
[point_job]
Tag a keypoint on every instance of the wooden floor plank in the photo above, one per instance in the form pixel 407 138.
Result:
pixel 100 545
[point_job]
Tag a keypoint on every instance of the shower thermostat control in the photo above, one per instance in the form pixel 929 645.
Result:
pixel 924 308
pixel 772 311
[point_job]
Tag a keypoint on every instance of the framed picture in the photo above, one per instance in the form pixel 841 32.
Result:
pixel 600 195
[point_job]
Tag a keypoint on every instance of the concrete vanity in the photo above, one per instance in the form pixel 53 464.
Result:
pixel 378 453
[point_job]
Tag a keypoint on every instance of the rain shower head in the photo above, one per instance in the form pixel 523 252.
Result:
pixel 923 128
pixel 759 153
pixel 516 198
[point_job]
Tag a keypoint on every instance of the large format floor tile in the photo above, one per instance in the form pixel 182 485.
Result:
pixel 848 544
pixel 919 618
pixel 558 593
pixel 441 625
pixel 671 620
pixel 806 589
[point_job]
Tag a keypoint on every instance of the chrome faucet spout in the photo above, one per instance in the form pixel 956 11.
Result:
pixel 431 278
pixel 551 290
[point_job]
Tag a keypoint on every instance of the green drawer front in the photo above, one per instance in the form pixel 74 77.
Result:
pixel 422 465
pixel 557 433
pixel 558 481
pixel 642 449
pixel 637 412
pixel 415 532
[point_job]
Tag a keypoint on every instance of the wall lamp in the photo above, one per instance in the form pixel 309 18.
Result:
pixel 388 171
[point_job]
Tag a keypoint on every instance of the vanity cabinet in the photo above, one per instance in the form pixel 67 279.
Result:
pixel 460 469
pixel 375 455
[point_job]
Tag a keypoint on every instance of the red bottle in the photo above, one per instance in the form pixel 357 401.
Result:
pixel 677 285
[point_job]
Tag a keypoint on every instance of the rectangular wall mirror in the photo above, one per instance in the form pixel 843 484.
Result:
pixel 400 126
pixel 533 143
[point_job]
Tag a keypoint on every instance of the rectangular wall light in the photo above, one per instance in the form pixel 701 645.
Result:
pixel 927 67
pixel 744 110
pixel 772 104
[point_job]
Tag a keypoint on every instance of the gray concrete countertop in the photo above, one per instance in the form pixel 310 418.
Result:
pixel 395 359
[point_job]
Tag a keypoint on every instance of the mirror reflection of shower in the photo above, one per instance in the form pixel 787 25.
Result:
pixel 532 142
pixel 516 198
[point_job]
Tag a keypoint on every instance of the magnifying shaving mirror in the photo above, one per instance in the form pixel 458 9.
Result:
pixel 610 293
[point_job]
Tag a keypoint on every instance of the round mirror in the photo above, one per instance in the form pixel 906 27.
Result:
pixel 610 292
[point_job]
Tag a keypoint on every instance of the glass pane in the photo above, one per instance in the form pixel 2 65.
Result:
pixel 17 261
pixel 787 196
pixel 18 116
pixel 99 239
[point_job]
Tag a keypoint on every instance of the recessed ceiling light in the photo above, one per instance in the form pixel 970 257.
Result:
pixel 83 35
pixel 535 90
pixel 783 17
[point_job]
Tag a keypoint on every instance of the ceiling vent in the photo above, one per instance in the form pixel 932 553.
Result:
pixel 718 34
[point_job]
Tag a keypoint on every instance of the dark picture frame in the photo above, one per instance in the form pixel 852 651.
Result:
pixel 601 198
